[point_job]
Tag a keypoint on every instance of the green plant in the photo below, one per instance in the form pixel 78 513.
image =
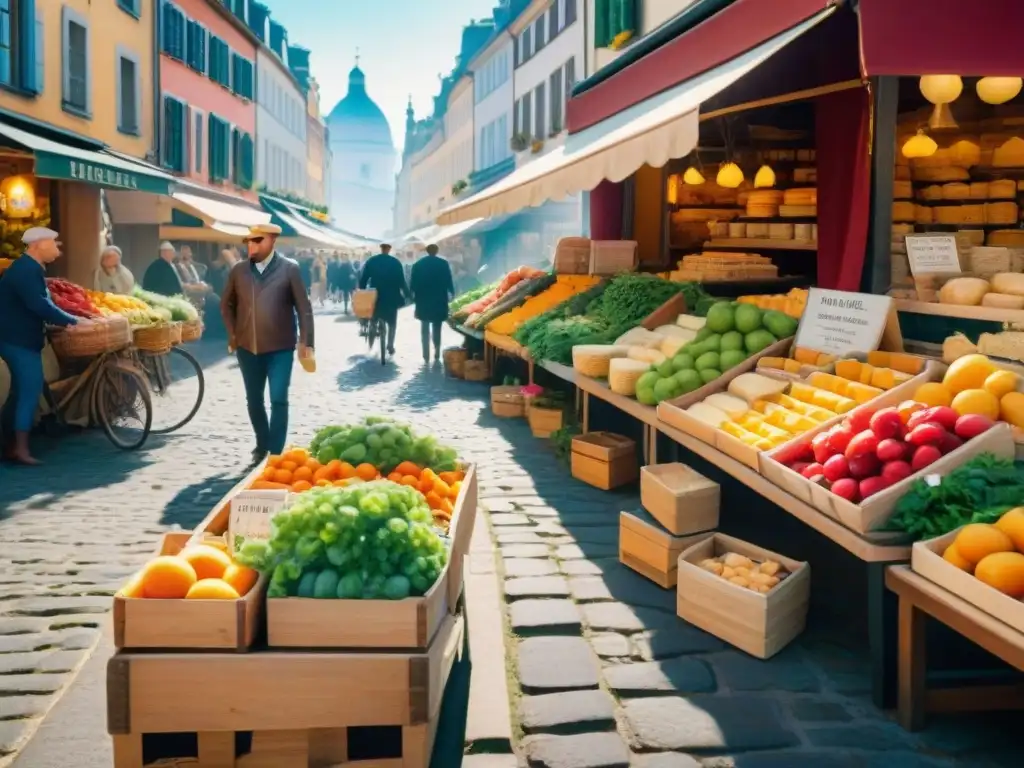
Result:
pixel 561 440
pixel 520 142
pixel 291 198
pixel 459 186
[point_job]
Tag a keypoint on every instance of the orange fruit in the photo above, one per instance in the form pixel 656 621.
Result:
pixel 347 470
pixel 334 468
pixel 168 578
pixel 366 472
pixel 433 500
pixel 298 455
pixel 395 477
pixel 302 473
pixel 212 589
pixel 274 461
pixel 208 562
pixel 977 401
pixel 411 480
pixel 978 540
pixel 953 557
pixel 323 483
pixel 301 485
pixel 908 408
pixel 241 578
pixel 408 468
pixel 289 465
pixel 968 372
pixel 312 465
pixel 1012 524
pixel 268 473
pixel 283 476
pixel 1001 382
pixel 324 473
pixel 134 587
pixel 933 394
pixel 1003 571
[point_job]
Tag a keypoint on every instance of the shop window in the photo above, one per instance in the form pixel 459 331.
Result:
pixel 242 148
pixel 539 30
pixel 197 121
pixel 173 144
pixel 540 120
pixel 525 40
pixel 77 97
pixel 130 6
pixel 129 92
pixel 556 101
pixel 196 47
pixel 173 32
pixel 220 64
pixel 219 156
pixel 570 76
pixel 614 22
pixel 241 76
pixel 570 11
pixel 526 115
pixel 553 19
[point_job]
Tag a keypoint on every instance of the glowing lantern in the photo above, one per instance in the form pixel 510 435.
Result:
pixel 764 178
pixel 20 197
pixel 729 176
pixel 693 177
pixel 920 145
pixel 941 89
pixel 672 193
pixel 999 90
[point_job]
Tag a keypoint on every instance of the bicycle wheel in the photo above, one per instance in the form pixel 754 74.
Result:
pixel 382 329
pixel 177 380
pixel 122 405
pixel 371 333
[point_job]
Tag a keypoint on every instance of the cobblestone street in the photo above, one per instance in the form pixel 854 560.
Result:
pixel 607 674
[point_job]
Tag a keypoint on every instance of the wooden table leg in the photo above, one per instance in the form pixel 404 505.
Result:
pixel 882 637
pixel 586 412
pixel 912 661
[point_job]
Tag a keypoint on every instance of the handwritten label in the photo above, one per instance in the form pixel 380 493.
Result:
pixel 931 254
pixel 841 323
pixel 250 516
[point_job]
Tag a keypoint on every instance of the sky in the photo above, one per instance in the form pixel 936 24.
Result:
pixel 403 46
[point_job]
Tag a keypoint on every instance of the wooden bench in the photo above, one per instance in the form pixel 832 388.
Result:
pixel 920 598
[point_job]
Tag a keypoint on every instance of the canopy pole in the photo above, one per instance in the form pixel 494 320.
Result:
pixel 808 93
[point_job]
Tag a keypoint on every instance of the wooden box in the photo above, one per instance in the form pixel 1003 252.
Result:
pixel 508 402
pixel 680 498
pixel 475 370
pixel 650 550
pixel 611 257
pixel 188 624
pixel 544 421
pixel 302 622
pixel 604 460
pixel 303 709
pixel 926 560
pixel 761 625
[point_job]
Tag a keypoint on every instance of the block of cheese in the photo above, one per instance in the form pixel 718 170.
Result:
pixel 1002 301
pixel 923 214
pixel 930 193
pixel 640 337
pixel 690 322
pixel 593 359
pixel 956 190
pixel 902 190
pixel 672 344
pixel 732 406
pixel 674 330
pixel 623 374
pixel 943 173
pixel 753 387
pixel 1009 238
pixel 902 211
pixel 1001 213
pixel 1002 189
pixel 1010 154
pixel 979 190
pixel 708 414
pixel 646 355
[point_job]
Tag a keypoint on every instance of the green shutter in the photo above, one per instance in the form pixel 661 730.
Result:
pixel 248 151
pixel 602 23
pixel 174 134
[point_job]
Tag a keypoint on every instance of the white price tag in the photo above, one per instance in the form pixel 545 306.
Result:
pixel 933 254
pixel 933 481
pixel 842 323
pixel 250 515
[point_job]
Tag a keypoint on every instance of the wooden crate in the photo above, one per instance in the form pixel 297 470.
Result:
pixel 475 370
pixel 188 624
pixel 761 625
pixel 302 708
pixel 649 549
pixel 299 622
pixel 680 498
pixel 604 460
pixel 508 402
pixel 544 421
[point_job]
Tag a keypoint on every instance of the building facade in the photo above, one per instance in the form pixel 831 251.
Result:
pixel 493 96
pixel 318 153
pixel 281 121
pixel 457 153
pixel 610 35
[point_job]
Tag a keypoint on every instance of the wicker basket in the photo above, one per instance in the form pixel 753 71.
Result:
pixel 191 331
pixel 363 303
pixel 475 370
pixel 455 362
pixel 89 340
pixel 544 421
pixel 156 338
pixel 507 402
pixel 175 334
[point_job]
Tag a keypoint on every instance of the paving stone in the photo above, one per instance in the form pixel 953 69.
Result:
pixel 815 711
pixel 785 672
pixel 62 661
pixel 571 710
pixel 16 707
pixel 707 723
pixel 556 664
pixel 574 520
pixel 547 527
pixel 683 675
pixel 588 750
pixel 678 641
pixel 787 758
pixel 597 534
pixel 10 625
pixel 13 734
pixel 25 643
pixel 860 737
pixel 620 617
pixel 23 663
pixel 666 760
pixel 490 761
pixel 36 685
pixel 611 644
pixel 527 537
pixel 581 551
pixel 548 615
pixel 509 520
pixel 59 606
pixel 537 586
pixel 620 583
pixel 580 568
pixel 525 567
pixel 525 550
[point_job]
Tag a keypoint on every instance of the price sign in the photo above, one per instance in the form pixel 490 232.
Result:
pixel 932 254
pixel 250 516
pixel 841 323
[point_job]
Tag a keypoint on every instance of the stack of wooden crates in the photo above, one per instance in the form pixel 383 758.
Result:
pixel 323 683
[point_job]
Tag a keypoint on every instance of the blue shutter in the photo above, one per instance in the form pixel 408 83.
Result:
pixel 40 66
pixel 247 161
pixel 26 47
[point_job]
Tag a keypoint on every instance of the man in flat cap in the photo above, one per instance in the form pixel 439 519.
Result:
pixel 27 310
pixel 385 274
pixel 267 313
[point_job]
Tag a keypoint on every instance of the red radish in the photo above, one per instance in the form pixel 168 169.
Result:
pixel 972 425
pixel 894 471
pixel 812 470
pixel 791 454
pixel 860 419
pixel 886 423
pixel 862 443
pixel 944 416
pixel 871 485
pixel 923 456
pixel 836 468
pixel 799 466
pixel 819 445
pixel 949 443
pixel 928 433
pixel 847 488
pixel 839 437
pixel 863 466
pixel 891 450
pixel 920 417
pixel 908 408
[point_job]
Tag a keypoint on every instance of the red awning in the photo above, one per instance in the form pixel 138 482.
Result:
pixel 934 37
pixel 729 33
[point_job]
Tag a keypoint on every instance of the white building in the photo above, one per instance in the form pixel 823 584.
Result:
pixel 281 163
pixel 457 151
pixel 651 14
pixel 493 95
pixel 549 53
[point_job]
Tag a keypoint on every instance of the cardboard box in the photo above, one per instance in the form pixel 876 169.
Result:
pixel 760 624
pixel 604 460
pixel 681 499
pixel 650 550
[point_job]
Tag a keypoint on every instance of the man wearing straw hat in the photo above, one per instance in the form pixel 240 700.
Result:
pixel 264 300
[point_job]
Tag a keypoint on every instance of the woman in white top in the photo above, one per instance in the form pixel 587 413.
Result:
pixel 113 276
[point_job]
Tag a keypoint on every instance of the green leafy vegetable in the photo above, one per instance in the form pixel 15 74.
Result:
pixel 383 442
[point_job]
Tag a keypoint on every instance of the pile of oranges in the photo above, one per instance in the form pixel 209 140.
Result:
pixel 199 572
pixel 297 471
pixel 440 489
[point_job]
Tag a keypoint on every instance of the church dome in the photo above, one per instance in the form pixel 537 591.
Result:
pixel 357 118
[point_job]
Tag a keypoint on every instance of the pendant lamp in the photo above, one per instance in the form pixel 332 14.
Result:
pixel 999 90
pixel 693 177
pixel 729 176
pixel 764 178
pixel 920 145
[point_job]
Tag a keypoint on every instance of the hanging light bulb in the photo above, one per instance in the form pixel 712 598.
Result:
pixel 729 176
pixel 672 193
pixel 693 177
pixel 920 145
pixel 941 89
pixel 999 90
pixel 765 177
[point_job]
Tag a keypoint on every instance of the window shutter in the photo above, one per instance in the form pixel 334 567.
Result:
pixel 602 23
pixel 40 53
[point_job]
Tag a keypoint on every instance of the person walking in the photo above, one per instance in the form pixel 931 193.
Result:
pixel 263 301
pixel 347 279
pixel 27 310
pixel 319 290
pixel 385 274
pixel 113 276
pixel 432 288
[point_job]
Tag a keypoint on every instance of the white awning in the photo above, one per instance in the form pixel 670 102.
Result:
pixel 652 132
pixel 454 230
pixel 221 212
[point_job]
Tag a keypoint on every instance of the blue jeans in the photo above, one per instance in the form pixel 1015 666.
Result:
pixel 26 367
pixel 274 368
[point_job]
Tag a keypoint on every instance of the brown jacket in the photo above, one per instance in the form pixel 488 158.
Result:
pixel 260 310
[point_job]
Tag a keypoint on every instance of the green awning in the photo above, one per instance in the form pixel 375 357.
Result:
pixel 56 160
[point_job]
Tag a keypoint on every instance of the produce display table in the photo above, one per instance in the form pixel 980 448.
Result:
pixel 920 598
pixel 495 343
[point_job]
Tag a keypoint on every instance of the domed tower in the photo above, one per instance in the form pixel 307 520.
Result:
pixel 364 161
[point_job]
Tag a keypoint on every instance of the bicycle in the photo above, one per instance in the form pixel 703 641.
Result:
pixel 371 327
pixel 168 375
